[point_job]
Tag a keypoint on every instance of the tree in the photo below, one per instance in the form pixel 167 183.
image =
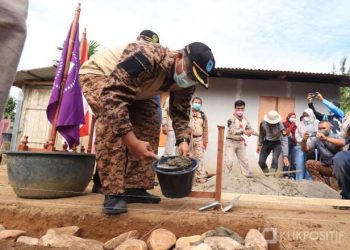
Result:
pixel 10 110
pixel 344 91
pixel 93 45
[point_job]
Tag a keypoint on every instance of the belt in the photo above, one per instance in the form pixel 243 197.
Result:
pixel 196 136
pixel 233 139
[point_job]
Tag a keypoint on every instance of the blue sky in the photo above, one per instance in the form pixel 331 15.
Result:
pixel 265 34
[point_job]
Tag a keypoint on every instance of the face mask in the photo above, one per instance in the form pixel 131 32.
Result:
pixel 306 119
pixel 324 131
pixel 196 106
pixel 182 80
pixel 239 113
pixel 292 120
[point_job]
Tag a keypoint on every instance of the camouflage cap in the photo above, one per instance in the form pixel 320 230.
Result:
pixel 203 62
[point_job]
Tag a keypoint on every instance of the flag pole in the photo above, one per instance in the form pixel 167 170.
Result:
pixel 74 26
pixel 91 135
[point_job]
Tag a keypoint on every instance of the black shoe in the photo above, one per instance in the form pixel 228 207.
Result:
pixel 138 195
pixel 265 170
pixel 97 189
pixel 114 204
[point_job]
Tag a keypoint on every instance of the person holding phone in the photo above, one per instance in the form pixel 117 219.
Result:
pixel 308 124
pixel 329 144
pixel 335 116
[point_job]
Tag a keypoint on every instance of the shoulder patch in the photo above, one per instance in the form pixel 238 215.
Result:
pixel 135 64
pixel 284 133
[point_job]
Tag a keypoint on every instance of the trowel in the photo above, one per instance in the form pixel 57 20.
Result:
pixel 231 205
pixel 225 209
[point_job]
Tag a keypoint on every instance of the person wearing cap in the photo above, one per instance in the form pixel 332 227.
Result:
pixel 127 131
pixel 144 36
pixel 335 116
pixel 148 36
pixel 199 137
pixel 272 137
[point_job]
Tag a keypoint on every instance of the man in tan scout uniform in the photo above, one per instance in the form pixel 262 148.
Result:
pixel 127 129
pixel 199 142
pixel 238 126
pixel 167 129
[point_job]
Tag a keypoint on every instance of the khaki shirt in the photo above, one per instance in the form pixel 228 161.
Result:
pixel 199 125
pixel 101 63
pixel 141 71
pixel 236 128
pixel 166 120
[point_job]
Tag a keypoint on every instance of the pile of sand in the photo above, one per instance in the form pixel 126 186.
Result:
pixel 271 186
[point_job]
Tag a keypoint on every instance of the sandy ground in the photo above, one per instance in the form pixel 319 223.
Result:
pixel 273 186
pixel 298 226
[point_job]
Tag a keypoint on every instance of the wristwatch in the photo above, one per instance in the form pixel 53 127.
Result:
pixel 181 140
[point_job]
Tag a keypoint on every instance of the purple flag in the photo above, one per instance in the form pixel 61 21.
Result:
pixel 71 113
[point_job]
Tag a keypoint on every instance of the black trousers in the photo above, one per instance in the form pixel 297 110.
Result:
pixel 268 146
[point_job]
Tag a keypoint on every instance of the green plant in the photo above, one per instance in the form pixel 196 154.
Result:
pixel 10 110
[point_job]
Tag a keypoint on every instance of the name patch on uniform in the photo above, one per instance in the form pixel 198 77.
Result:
pixel 135 64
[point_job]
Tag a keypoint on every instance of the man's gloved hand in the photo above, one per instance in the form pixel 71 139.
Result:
pixel 286 161
pixel 165 129
pixel 184 149
pixel 142 150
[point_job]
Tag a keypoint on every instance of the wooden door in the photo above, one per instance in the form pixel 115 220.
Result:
pixel 35 124
pixel 283 105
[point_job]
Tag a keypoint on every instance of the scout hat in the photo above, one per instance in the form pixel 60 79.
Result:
pixel 150 36
pixel 272 117
pixel 202 60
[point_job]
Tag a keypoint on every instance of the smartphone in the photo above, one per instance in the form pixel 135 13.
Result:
pixel 312 134
pixel 313 95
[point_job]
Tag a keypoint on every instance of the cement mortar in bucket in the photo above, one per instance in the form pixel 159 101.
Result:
pixel 175 182
pixel 49 174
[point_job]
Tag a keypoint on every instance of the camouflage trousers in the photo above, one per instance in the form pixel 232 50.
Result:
pixel 239 149
pixel 318 171
pixel 197 151
pixel 117 167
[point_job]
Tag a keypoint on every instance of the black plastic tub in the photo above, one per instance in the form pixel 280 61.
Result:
pixel 45 175
pixel 175 182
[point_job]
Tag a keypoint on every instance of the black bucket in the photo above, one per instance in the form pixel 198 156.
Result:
pixel 175 182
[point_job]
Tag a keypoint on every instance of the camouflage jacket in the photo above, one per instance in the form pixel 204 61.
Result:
pixel 144 70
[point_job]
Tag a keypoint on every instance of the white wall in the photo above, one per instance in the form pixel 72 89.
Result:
pixel 218 104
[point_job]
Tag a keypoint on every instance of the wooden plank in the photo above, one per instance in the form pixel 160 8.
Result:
pixel 198 194
pixel 288 200
pixel 285 105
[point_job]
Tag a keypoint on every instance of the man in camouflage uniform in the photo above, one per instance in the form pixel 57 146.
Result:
pixel 238 126
pixel 199 142
pixel 145 35
pixel 119 86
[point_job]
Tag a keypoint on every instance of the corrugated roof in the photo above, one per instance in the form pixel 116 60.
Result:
pixel 292 76
pixel 47 74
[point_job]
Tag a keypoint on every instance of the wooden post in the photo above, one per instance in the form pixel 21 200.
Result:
pixel 220 156
pixel 91 135
pixel 73 32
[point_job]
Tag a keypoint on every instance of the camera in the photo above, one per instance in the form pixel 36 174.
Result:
pixel 312 134
pixel 313 95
